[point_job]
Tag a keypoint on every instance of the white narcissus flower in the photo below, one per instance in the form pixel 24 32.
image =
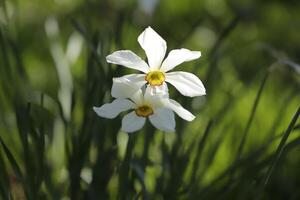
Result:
pixel 157 72
pixel 158 108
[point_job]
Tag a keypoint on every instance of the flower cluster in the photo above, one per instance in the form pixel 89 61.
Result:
pixel 147 94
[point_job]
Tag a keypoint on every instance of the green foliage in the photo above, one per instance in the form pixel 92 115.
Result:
pixel 244 143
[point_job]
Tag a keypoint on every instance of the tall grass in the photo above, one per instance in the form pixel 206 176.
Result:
pixel 244 143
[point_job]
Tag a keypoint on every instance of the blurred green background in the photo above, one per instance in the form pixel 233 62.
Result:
pixel 244 143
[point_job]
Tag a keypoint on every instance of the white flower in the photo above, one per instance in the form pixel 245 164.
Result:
pixel 156 73
pixel 158 108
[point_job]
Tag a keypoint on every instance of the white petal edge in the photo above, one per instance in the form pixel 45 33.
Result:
pixel 131 122
pixel 124 88
pixel 179 110
pixel 178 56
pixel 137 79
pixel 113 109
pixel 128 59
pixel 154 46
pixel 186 83
pixel 163 119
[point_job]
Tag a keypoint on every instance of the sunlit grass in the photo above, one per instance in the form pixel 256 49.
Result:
pixel 53 146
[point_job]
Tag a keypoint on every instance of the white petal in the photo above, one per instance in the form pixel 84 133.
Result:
pixel 179 110
pixel 131 122
pixel 128 59
pixel 186 83
pixel 111 110
pixel 163 119
pixel 137 97
pixel 161 91
pixel 124 88
pixel 154 46
pixel 138 79
pixel 178 56
pixel 154 94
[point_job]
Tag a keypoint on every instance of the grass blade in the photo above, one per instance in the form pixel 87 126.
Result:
pixel 4 179
pixel 12 160
pixel 251 117
pixel 200 149
pixel 281 147
pixel 124 178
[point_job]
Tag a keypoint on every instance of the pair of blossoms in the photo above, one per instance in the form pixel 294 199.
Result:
pixel 147 94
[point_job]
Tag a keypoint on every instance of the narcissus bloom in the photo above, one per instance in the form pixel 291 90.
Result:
pixel 158 108
pixel 156 72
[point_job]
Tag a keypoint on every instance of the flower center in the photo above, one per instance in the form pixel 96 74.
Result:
pixel 155 78
pixel 144 111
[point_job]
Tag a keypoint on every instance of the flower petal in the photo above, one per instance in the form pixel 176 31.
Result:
pixel 178 56
pixel 186 83
pixel 161 91
pixel 111 110
pixel 128 59
pixel 163 119
pixel 124 88
pixel 154 46
pixel 131 122
pixel 138 79
pixel 178 109
pixel 154 94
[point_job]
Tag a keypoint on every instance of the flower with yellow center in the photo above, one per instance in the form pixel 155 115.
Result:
pixel 156 72
pixel 158 108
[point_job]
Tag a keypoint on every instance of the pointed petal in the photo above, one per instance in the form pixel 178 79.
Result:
pixel 111 110
pixel 178 109
pixel 154 46
pixel 178 56
pixel 163 119
pixel 131 122
pixel 128 59
pixel 186 83
pixel 124 88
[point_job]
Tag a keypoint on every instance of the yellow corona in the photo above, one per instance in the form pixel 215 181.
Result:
pixel 144 111
pixel 155 78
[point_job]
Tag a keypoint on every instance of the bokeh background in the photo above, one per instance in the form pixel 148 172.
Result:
pixel 244 143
